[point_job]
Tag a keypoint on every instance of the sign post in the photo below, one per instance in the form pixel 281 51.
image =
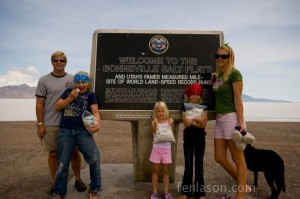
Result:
pixel 133 69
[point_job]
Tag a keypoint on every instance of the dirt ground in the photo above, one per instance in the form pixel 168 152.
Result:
pixel 24 172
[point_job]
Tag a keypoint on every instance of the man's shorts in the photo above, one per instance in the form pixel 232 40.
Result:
pixel 225 124
pixel 161 155
pixel 50 138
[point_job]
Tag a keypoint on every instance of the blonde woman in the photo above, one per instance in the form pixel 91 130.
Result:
pixel 228 86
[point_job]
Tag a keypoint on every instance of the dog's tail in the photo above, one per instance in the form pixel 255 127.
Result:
pixel 279 180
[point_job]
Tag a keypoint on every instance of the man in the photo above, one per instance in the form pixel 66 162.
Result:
pixel 48 90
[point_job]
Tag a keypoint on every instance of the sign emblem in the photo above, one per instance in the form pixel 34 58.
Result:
pixel 158 44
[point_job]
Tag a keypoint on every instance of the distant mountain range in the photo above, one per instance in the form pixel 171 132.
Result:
pixel 24 91
pixel 247 98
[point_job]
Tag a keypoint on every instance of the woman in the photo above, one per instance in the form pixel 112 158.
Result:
pixel 228 86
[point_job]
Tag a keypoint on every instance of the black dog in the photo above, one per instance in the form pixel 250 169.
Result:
pixel 268 162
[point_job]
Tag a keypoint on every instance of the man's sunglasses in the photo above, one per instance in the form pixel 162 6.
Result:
pixel 58 60
pixel 217 56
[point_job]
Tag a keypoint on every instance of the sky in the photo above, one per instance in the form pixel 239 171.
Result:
pixel 263 33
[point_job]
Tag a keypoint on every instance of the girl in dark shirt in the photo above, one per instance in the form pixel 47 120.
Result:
pixel 72 103
pixel 194 143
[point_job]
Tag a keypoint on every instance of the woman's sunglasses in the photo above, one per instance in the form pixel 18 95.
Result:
pixel 217 56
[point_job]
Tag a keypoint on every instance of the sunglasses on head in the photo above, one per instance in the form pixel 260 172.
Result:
pixel 217 56
pixel 58 60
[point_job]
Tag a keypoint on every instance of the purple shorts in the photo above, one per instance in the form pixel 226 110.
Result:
pixel 225 124
pixel 161 155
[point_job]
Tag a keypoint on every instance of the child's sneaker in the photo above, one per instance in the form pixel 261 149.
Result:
pixel 248 138
pixel 167 196
pixel 154 196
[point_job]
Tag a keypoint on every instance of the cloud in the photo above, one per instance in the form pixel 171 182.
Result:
pixel 263 34
pixel 32 70
pixel 19 76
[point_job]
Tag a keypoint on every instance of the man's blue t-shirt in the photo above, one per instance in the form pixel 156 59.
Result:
pixel 72 114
